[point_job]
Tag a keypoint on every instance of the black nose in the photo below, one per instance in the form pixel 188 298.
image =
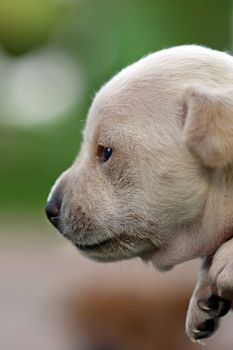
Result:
pixel 52 211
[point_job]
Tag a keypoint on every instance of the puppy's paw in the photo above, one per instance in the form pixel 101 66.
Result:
pixel 204 312
pixel 221 273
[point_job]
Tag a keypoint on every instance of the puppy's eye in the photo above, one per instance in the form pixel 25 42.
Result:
pixel 103 153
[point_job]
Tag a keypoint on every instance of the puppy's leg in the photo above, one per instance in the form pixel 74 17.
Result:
pixel 205 307
pixel 221 270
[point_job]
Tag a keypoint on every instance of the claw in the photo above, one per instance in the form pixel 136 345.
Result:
pixel 198 341
pixel 193 340
pixel 203 306
pixel 196 331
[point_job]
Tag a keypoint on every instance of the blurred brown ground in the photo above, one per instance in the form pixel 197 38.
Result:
pixel 40 274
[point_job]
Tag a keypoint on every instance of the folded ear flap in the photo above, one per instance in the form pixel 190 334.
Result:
pixel 208 125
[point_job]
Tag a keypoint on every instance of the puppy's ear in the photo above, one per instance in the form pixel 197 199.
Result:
pixel 208 125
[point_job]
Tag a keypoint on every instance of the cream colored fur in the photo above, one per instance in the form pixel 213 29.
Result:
pixel 166 193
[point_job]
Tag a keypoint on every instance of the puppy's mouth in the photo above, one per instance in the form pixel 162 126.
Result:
pixel 111 249
pixel 92 247
pixel 116 248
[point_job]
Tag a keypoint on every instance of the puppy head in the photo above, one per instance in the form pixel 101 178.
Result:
pixel 153 137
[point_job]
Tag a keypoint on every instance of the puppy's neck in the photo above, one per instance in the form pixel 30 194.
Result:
pixel 204 238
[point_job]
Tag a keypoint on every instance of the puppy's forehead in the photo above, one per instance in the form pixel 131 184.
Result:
pixel 109 126
pixel 148 88
pixel 114 111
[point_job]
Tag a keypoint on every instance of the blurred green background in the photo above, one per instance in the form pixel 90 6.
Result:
pixel 54 55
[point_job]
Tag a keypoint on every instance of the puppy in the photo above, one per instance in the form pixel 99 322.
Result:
pixel 154 174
